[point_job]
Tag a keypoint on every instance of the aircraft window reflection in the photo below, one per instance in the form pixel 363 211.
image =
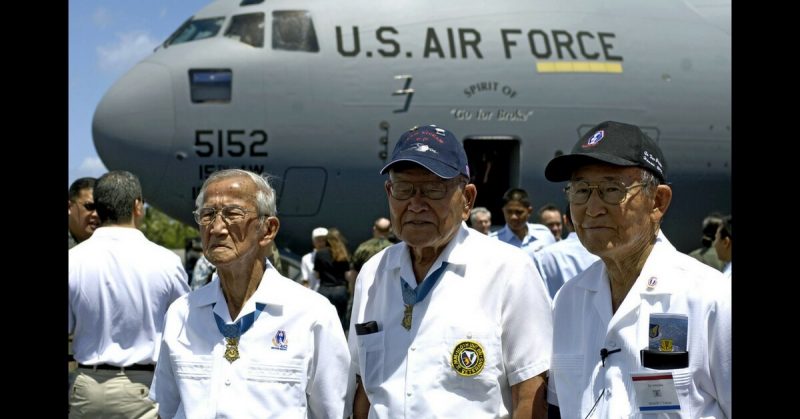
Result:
pixel 293 30
pixel 194 30
pixel 210 85
pixel 248 29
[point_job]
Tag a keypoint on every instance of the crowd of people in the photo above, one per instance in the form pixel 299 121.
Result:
pixel 580 314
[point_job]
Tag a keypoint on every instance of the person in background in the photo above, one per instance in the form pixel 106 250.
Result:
pixel 332 268
pixel 518 231
pixel 707 253
pixel 448 322
pixel 723 243
pixel 645 317
pixel 379 241
pixel 81 212
pixel 480 218
pixel 310 280
pixel 252 343
pixel 120 285
pixel 560 262
pixel 550 216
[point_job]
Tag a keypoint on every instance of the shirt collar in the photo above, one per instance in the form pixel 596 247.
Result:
pixel 454 254
pixel 266 293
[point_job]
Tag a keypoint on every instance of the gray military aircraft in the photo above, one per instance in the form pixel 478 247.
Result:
pixel 317 92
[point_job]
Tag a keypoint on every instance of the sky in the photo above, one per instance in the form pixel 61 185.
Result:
pixel 106 39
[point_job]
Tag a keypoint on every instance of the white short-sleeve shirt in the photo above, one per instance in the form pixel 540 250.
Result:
pixel 120 286
pixel 670 282
pixel 538 237
pixel 293 363
pixel 490 297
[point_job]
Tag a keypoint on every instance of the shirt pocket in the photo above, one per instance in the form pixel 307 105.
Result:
pixel 371 353
pixel 290 373
pixel 461 354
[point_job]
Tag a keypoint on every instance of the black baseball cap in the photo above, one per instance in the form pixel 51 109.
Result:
pixel 614 143
pixel 433 148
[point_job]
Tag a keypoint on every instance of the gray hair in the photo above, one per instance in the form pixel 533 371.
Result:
pixel 473 213
pixel 265 195
pixel 114 195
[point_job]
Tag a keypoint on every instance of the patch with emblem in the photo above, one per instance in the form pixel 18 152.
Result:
pixel 279 341
pixel 468 358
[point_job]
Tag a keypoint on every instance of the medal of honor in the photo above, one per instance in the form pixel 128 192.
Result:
pixel 407 316
pixel 231 349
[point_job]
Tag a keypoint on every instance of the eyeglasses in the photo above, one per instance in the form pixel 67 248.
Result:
pixel 431 190
pixel 611 191
pixel 89 206
pixel 231 214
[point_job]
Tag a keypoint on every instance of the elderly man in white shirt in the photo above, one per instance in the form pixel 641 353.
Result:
pixel 647 331
pixel 449 322
pixel 252 343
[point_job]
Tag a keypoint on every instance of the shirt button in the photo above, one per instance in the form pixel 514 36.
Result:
pixel 408 394
pixel 612 344
pixel 228 382
pixel 469 335
pixel 413 348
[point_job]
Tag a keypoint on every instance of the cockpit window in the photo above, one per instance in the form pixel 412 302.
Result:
pixel 293 30
pixel 247 28
pixel 195 29
pixel 249 2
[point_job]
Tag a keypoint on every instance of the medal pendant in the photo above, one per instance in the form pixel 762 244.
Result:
pixel 231 349
pixel 407 316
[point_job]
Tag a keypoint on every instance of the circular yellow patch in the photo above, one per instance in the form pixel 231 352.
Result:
pixel 468 358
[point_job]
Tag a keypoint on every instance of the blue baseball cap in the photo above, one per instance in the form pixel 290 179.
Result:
pixel 433 148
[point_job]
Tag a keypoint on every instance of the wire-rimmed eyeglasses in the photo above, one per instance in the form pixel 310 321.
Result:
pixel 231 214
pixel 401 190
pixel 611 191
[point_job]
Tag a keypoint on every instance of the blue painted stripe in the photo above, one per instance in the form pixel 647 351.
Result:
pixel 651 408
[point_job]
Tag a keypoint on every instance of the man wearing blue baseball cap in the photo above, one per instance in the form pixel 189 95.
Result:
pixel 646 329
pixel 448 322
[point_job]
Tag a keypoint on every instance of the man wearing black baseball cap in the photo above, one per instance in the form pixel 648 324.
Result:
pixel 449 322
pixel 645 316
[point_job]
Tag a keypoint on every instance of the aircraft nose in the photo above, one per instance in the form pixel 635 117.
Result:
pixel 134 123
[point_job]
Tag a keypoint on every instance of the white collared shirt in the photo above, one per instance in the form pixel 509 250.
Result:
pixel 306 375
pixel 307 270
pixel 490 294
pixel 120 286
pixel 538 236
pixel 583 325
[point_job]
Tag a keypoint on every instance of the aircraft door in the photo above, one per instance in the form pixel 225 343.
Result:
pixel 494 168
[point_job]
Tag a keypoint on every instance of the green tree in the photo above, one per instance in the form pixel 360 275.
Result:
pixel 168 232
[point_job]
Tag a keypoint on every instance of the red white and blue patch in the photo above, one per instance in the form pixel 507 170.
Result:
pixel 594 139
pixel 279 341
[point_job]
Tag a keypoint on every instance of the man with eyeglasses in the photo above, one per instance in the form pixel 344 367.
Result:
pixel 647 329
pixel 82 216
pixel 251 343
pixel 449 322
pixel 120 285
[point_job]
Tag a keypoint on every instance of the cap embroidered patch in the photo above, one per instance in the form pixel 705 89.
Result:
pixel 594 139
pixel 468 358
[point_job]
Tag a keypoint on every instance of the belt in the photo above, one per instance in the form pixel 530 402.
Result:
pixel 134 367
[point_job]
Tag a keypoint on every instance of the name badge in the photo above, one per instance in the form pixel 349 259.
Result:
pixel 655 392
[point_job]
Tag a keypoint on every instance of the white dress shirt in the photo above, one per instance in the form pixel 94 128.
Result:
pixel 307 270
pixel 490 294
pixel 306 375
pixel 120 285
pixel 670 282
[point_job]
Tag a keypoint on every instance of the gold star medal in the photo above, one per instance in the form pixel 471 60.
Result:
pixel 231 349
pixel 407 316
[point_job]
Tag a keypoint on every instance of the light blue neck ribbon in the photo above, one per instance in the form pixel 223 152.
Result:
pixel 412 296
pixel 234 330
